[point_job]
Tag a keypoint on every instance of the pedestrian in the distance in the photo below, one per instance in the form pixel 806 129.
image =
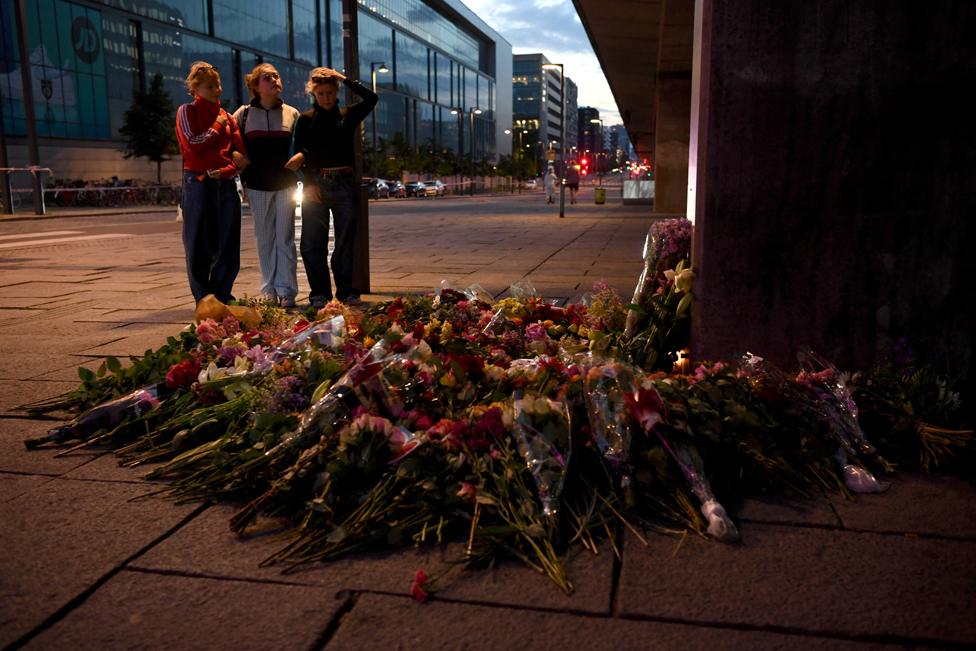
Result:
pixel 324 138
pixel 572 181
pixel 266 124
pixel 213 154
pixel 549 182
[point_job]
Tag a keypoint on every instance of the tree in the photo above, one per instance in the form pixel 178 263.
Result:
pixel 148 125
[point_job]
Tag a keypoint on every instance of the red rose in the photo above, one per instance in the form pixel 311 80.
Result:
pixel 417 587
pixel 182 374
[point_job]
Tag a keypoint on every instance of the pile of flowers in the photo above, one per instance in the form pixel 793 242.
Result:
pixel 517 425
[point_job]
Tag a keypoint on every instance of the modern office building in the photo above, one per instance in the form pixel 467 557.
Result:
pixel 536 111
pixel 572 116
pixel 590 135
pixel 88 57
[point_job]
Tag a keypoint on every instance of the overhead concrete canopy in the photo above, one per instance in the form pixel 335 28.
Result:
pixel 636 41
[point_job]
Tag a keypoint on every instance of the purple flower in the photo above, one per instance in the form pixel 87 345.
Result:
pixel 228 354
pixel 535 332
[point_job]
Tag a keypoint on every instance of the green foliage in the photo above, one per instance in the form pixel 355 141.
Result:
pixel 148 125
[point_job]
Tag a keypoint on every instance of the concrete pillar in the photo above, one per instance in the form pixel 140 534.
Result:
pixel 832 170
pixel 672 127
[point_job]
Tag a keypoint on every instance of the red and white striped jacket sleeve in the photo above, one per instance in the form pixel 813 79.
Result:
pixel 186 130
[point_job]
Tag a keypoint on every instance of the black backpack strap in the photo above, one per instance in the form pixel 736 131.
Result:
pixel 244 119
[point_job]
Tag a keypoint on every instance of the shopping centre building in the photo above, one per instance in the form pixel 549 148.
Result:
pixel 87 59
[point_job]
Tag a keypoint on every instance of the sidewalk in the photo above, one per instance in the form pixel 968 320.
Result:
pixel 88 565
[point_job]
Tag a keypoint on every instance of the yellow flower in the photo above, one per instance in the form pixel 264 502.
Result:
pixel 447 331
pixel 683 279
pixel 368 342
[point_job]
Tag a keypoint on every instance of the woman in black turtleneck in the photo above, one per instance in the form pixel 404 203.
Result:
pixel 324 138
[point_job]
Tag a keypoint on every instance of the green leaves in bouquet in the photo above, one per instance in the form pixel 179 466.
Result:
pixel 913 409
pixel 665 324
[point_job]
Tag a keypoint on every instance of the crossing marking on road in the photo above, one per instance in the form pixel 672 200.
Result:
pixel 18 236
pixel 61 240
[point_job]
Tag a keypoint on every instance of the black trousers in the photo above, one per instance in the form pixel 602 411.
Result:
pixel 338 195
pixel 211 235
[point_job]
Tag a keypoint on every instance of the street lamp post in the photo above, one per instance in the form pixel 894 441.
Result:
pixel 471 113
pixel 374 67
pixel 459 112
pixel 562 133
pixel 599 170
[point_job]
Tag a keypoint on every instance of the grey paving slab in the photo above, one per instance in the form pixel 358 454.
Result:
pixel 180 315
pixel 915 504
pixel 135 610
pixel 62 537
pixel 105 467
pixel 106 299
pixel 816 580
pixel 38 290
pixel 70 373
pixel 14 457
pixel 14 485
pixel 206 545
pixel 14 393
pixel 387 622
pixel 42 348
pixel 784 510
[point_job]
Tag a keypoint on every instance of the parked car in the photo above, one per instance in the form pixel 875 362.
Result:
pixel 435 189
pixel 378 189
pixel 531 184
pixel 397 189
pixel 416 189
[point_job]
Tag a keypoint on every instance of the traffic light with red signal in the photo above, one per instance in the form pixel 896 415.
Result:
pixel 584 166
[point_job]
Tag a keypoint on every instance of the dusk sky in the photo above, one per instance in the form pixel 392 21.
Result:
pixel 553 28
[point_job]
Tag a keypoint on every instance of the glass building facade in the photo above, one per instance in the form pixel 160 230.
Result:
pixel 88 57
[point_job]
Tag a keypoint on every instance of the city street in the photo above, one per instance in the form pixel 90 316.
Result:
pixel 88 564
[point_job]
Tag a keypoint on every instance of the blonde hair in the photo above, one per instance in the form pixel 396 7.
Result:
pixel 199 72
pixel 254 78
pixel 319 76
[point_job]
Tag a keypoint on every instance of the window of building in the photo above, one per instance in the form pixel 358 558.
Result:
pixel 70 90
pixel 470 89
pixel 163 53
pixel 442 79
pixel 448 136
pixel 303 30
pixel 411 66
pixel 390 118
pixel 425 123
pixel 337 57
pixel 262 25
pixel 189 14
pixel 375 45
pixel 121 45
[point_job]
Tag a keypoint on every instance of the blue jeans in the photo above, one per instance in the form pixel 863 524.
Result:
pixel 338 194
pixel 211 235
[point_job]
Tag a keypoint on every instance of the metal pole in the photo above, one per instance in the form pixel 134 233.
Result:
pixel 471 153
pixel 350 56
pixel 25 76
pixel 372 74
pixel 5 193
pixel 562 140
pixel 460 115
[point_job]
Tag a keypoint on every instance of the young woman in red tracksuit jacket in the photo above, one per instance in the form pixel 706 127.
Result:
pixel 213 154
